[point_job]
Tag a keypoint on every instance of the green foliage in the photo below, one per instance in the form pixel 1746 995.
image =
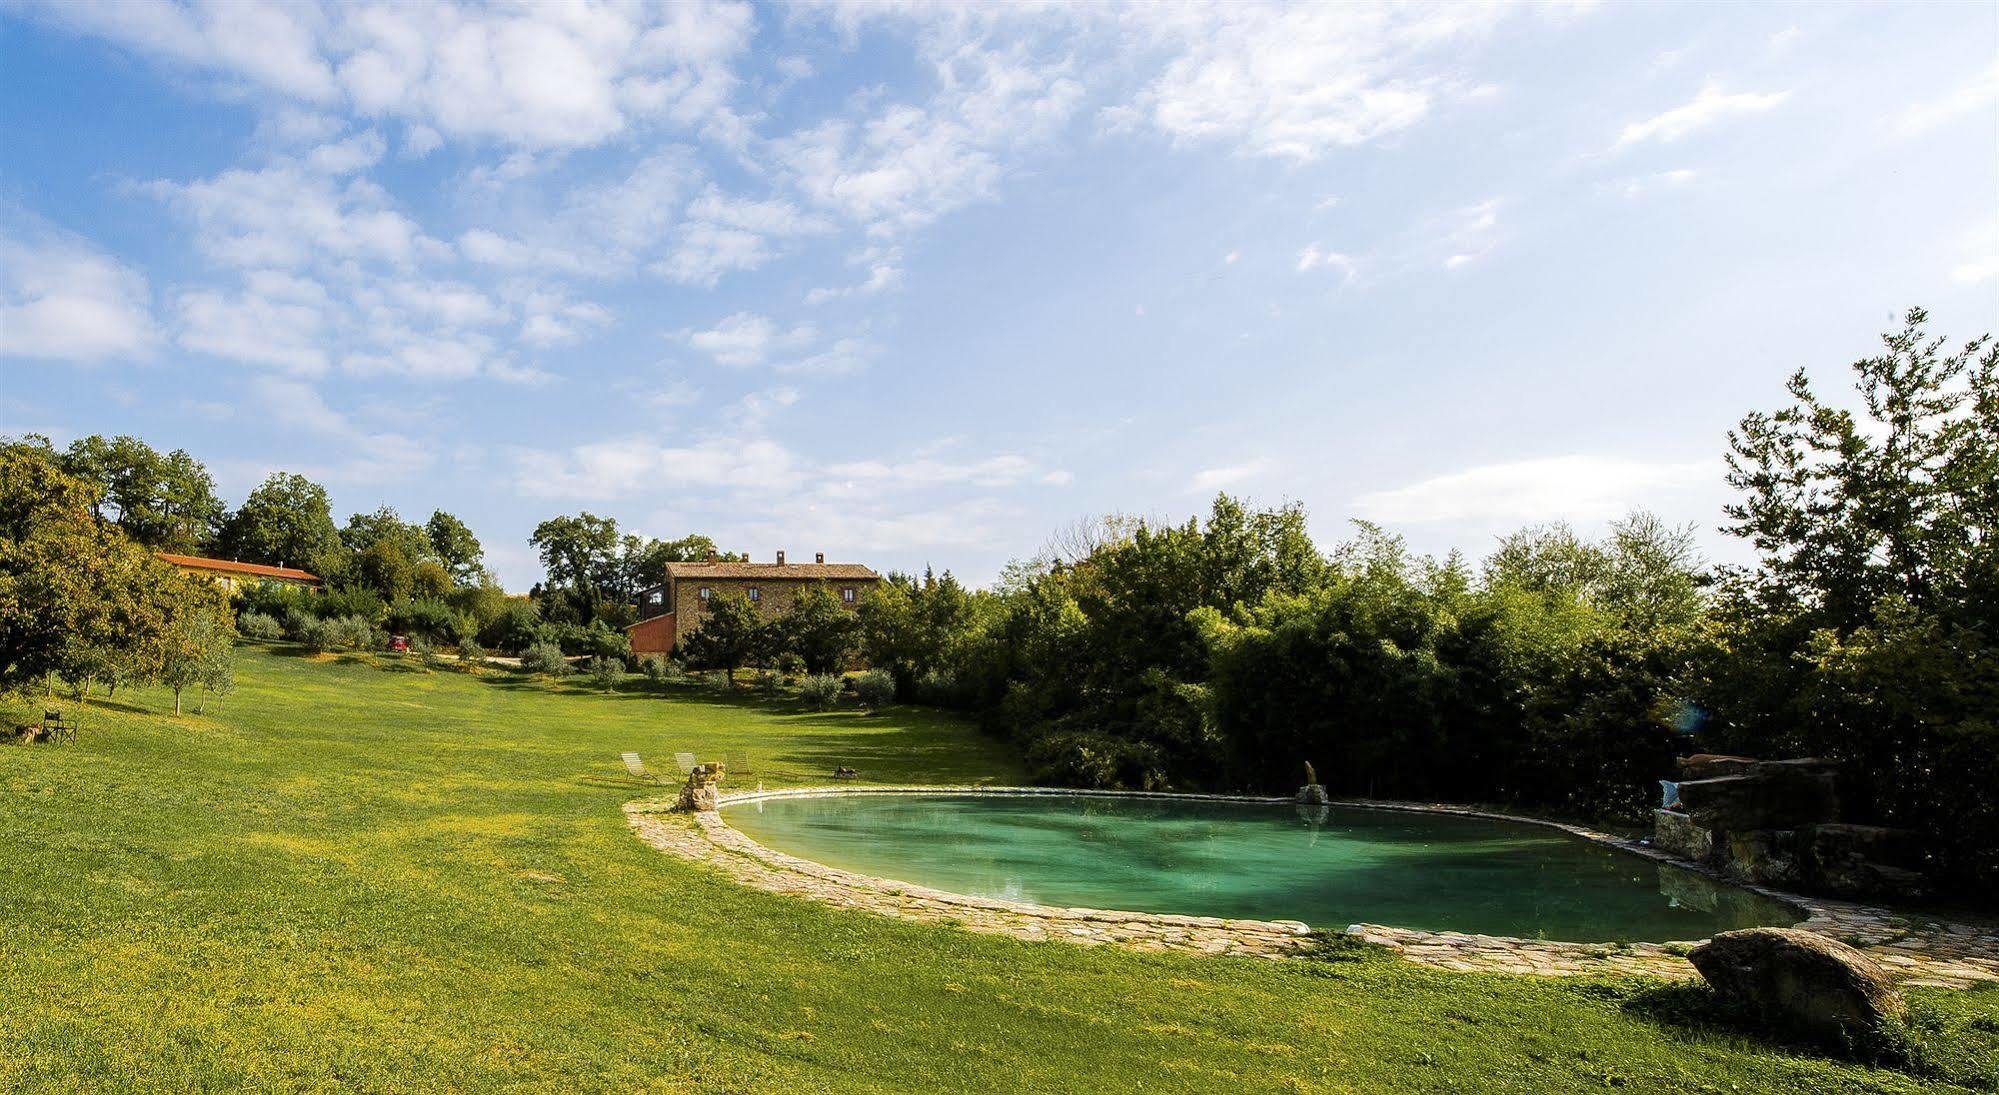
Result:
pixel 470 653
pixel 454 546
pixel 731 634
pixel 514 628
pixel 545 658
pixel 818 629
pixel 433 621
pixel 297 623
pixel 78 598
pixel 285 521
pixel 348 633
pixel 256 625
pixel 606 672
pixel 656 670
pixel 819 691
pixel 875 689
pixel 198 646
pixel 165 502
pixel 1869 630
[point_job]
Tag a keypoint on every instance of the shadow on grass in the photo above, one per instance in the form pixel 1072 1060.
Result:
pixel 1918 1045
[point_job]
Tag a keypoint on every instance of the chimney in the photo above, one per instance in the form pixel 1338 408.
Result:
pixel 818 556
pixel 780 558
pixel 711 555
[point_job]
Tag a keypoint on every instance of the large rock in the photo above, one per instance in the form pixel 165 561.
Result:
pixel 1799 979
pixel 1712 765
pixel 1866 860
pixel 1675 832
pixel 1768 857
pixel 1770 797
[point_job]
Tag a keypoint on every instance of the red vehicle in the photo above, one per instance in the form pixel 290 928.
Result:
pixel 399 642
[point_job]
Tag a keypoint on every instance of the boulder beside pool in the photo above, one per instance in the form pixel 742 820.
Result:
pixel 1799 979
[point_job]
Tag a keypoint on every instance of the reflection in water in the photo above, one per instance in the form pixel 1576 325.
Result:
pixel 1328 866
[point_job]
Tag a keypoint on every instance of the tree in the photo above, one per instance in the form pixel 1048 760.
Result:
pixel 166 502
pixel 819 629
pixel 731 635
pixel 1869 628
pixel 197 648
pixel 451 540
pixel 75 592
pixel 285 521
pixel 580 553
pixel 384 568
pixel 385 525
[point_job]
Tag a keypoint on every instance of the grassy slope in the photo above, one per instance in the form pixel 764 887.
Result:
pixel 349 875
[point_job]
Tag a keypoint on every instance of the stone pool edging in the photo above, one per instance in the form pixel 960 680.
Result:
pixel 1914 950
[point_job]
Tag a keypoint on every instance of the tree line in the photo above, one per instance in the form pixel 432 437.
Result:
pixel 1561 673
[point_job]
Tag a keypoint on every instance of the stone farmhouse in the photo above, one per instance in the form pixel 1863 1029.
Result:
pixel 671 611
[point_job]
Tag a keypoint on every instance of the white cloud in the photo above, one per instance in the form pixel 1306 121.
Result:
pixel 1969 96
pixel 746 339
pixel 1469 233
pixel 884 265
pixel 551 76
pixel 276 319
pixel 293 213
pixel 366 456
pixel 1663 180
pixel 1711 105
pixel 1296 81
pixel 1229 475
pixel 63 299
pixel 1312 257
pixel 637 466
pixel 1575 488
pixel 844 357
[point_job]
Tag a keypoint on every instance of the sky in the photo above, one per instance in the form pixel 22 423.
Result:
pixel 915 285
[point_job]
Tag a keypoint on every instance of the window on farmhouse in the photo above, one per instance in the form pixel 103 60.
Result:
pixel 756 594
pixel 705 591
pixel 847 594
pixel 655 597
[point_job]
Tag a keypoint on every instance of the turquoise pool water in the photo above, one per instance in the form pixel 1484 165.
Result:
pixel 1267 862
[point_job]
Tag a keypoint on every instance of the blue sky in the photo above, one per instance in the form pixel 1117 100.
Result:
pixel 914 284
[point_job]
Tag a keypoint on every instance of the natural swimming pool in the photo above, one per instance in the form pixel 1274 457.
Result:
pixel 1329 867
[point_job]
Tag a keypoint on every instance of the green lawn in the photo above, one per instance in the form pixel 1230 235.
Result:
pixel 348 875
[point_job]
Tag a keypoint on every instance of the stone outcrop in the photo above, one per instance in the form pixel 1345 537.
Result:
pixel 1777 823
pixel 1799 979
pixel 702 790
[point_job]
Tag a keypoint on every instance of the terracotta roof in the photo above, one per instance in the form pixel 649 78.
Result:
pixel 230 566
pixel 804 572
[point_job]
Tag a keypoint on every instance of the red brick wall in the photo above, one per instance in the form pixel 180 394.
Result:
pixel 654 636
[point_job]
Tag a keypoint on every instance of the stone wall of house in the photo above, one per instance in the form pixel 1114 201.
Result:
pixel 775 596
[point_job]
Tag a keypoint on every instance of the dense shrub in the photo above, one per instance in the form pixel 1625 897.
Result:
pixel 356 601
pixel 514 629
pixel 875 688
pixel 819 691
pixel 350 633
pixel 297 622
pixel 316 635
pixel 546 658
pixel 432 620
pixel 256 625
pixel 655 669
pixel 470 653
pixel 605 672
